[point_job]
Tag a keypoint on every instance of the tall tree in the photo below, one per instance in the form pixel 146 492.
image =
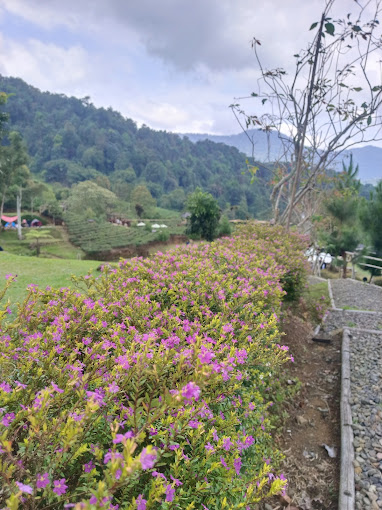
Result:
pixel 16 172
pixel 99 201
pixel 329 103
pixel 3 168
pixel 371 221
pixel 205 215
pixel 340 229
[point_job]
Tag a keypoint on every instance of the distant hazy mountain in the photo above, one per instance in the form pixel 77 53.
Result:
pixel 368 158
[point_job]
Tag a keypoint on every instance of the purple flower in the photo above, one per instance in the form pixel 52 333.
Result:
pixel 56 388
pixel 89 466
pixel 170 493
pixel 25 488
pixel 59 486
pixel 209 447
pixel 191 390
pixel 224 463
pixel 141 503
pixel 227 443
pixel 8 419
pixel 177 482
pixel 6 387
pixel 194 424
pixel 113 387
pixel 121 438
pixel 237 465
pixel 206 356
pixel 42 480
pixel 147 458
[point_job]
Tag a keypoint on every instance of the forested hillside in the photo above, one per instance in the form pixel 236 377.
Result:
pixel 69 140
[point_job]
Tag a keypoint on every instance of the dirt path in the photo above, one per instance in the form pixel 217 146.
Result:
pixel 314 421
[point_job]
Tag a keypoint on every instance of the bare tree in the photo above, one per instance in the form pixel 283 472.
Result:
pixel 330 103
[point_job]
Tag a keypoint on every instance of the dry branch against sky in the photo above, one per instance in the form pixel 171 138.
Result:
pixel 171 64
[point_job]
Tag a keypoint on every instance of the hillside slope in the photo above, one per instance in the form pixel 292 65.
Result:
pixel 70 140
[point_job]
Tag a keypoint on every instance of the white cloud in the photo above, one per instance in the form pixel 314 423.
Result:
pixel 46 66
pixel 172 64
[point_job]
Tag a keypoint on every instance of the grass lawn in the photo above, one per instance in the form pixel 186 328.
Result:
pixel 317 290
pixel 40 271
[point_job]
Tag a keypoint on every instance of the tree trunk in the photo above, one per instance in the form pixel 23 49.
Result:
pixel 345 264
pixel 18 206
pixel 2 204
pixel 302 135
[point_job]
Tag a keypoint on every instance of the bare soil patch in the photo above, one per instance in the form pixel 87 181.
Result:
pixel 313 421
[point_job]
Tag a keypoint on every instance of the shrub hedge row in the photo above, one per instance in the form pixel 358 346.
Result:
pixel 149 387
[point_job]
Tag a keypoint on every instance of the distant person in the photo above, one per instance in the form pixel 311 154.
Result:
pixel 1 249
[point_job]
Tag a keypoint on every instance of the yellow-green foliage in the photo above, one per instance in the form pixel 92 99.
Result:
pixel 150 388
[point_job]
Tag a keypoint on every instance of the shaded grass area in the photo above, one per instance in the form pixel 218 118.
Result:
pixel 313 303
pixel 42 272
pixel 61 247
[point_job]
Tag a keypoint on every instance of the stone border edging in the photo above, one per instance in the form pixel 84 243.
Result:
pixel 346 500
pixel 347 485
pixel 331 296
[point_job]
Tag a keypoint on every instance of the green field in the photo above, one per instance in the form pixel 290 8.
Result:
pixel 42 272
pixel 61 248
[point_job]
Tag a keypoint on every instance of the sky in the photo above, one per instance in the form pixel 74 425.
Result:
pixel 174 65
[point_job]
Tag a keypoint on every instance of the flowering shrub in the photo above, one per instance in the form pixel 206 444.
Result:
pixel 150 387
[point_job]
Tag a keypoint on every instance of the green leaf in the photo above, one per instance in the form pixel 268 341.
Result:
pixel 313 26
pixel 356 28
pixel 254 94
pixel 329 28
pixel 369 120
pixel 357 89
pixel 376 88
pixel 264 101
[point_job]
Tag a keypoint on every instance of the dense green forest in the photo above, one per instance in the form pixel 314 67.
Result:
pixel 69 140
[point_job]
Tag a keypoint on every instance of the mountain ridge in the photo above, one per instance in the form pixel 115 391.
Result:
pixel 369 157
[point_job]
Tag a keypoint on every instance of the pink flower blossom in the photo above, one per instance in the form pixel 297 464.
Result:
pixel 141 503
pixel 170 493
pixel 8 419
pixel 59 486
pixel 89 466
pixel 191 390
pixel 194 424
pixel 237 465
pixel 227 443
pixel 6 387
pixel 56 388
pixel 113 388
pixel 121 438
pixel 25 488
pixel 42 481
pixel 222 460
pixel 147 458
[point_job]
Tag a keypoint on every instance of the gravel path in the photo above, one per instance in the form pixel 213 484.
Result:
pixel 366 408
pixel 339 319
pixel 356 295
pixel 365 345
